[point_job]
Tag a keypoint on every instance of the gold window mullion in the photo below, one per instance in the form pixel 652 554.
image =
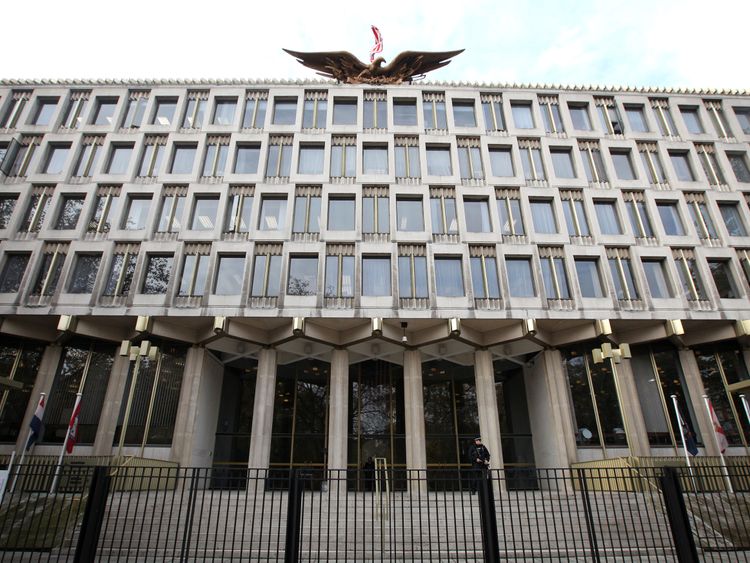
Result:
pixel 592 163
pixel 598 421
pixel 689 276
pixel 533 164
pixel 652 167
pixel 50 270
pixel 123 270
pixel 574 213
pixel 266 274
pixel 718 121
pixel 105 212
pixel 340 277
pixel 194 275
pixel 555 281
pixel 434 114
pixel 444 215
pixel 172 212
pixel 485 282
pixel 413 276
pixel 623 278
pixel 638 219
pixel 494 115
pixel 701 221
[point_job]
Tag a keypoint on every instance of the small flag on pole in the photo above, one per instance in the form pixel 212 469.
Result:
pixel 73 426
pixel 721 438
pixel 36 423
pixel 689 440
pixel 378 47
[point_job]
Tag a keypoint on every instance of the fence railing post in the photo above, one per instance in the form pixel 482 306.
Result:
pixel 188 532
pixel 589 514
pixel 93 516
pixel 488 518
pixel 679 521
pixel 293 518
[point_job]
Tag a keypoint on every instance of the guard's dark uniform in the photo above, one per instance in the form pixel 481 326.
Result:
pixel 480 459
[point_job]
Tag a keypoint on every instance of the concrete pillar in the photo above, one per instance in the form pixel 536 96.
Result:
pixel 489 419
pixel 630 407
pixel 550 411
pixel 416 457
pixel 197 413
pixel 338 396
pixel 696 391
pixel 42 384
pixel 113 399
pixel 265 389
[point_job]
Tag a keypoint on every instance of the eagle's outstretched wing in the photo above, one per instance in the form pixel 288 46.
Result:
pixel 414 63
pixel 338 65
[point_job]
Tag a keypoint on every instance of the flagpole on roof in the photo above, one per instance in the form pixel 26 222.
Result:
pixel 714 421
pixel 26 444
pixel 680 424
pixel 64 445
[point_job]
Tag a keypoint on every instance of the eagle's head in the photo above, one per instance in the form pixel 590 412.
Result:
pixel 377 63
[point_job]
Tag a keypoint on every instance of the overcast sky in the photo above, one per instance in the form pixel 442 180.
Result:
pixel 640 43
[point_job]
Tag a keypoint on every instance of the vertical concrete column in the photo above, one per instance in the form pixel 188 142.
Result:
pixel 550 411
pixel 112 405
pixel 489 419
pixel 42 384
pixel 338 392
pixel 696 391
pixel 416 457
pixel 630 407
pixel 265 388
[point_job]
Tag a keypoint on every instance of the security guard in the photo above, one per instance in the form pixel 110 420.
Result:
pixel 480 460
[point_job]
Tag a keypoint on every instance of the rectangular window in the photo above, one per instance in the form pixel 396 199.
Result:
pixel 738 162
pixel 50 268
pixel 106 207
pixel 172 208
pixel 195 109
pixel 721 272
pixel 407 157
pixel 279 161
pixel 439 160
pixel 44 111
pixel 119 159
pixel 704 226
pixel 70 211
pixel 593 164
pixel 636 118
pixel 589 280
pixel 449 277
pixel 606 215
pixel 509 211
pixel 501 162
pixel 638 214
pixel 492 108
pixel 543 216
pixel 681 165
pixel 622 273
pixel 375 111
pixel 153 155
pixel 345 111
pixel 183 158
pixel 690 279
pixel 376 276
pixel 609 115
pixel 652 163
pixel 623 165
pixel 562 162
pixel 579 115
pixel 84 273
pixel 230 272
pixel 550 108
pixel 343 157
pixel 710 164
pixel 340 273
pixel 13 271
pixel 7 205
pixel 531 159
pixel 553 273
pixel 664 118
pixel 714 109
pixel 443 210
pixel 266 271
pixel 254 115
pixel 311 159
pixel 158 271
pixel 409 214
pixel 239 210
pixel 303 275
pixel 670 218
pixel 520 278
pixel 470 159
pixel 307 210
pixel 224 110
pixel 284 111
pixel 743 116
pixel 375 211
pixel 37 209
pixel 215 161
pixel 137 213
pixel 477 215
pixel 692 120
pixel 136 108
pixel 484 278
pixel 405 111
pixel 412 272
pixel 656 277
pixel 121 271
pixel 22 158
pixel 315 110
pixel 75 110
pixel 164 111
pixel 205 211
pixel 575 214
pixel 18 102
pixel 730 213
pixel 246 158
pixel 272 213
pixel 341 213
pixel 57 155
pixel 522 115
pixel 375 159
pixel 463 113
pixel 194 274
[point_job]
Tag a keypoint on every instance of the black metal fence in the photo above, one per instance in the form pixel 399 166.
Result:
pixel 203 514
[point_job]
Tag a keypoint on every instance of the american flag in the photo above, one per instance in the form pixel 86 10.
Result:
pixel 378 48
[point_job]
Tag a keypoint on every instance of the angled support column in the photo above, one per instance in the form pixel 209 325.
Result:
pixel 265 388
pixel 696 391
pixel 630 408
pixel 489 418
pixel 113 399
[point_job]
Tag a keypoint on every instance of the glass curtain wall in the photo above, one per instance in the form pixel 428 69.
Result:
pixel 19 362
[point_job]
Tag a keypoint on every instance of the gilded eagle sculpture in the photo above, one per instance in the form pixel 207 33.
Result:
pixel 345 67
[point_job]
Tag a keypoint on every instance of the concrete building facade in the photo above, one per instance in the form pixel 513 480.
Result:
pixel 335 272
